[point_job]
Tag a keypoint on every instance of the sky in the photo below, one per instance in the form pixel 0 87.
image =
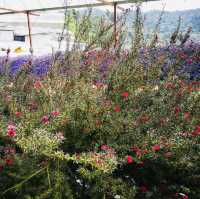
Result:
pixel 170 5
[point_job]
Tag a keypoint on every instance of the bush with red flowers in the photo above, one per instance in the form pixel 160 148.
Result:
pixel 102 125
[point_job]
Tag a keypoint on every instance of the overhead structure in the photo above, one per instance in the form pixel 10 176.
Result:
pixel 28 21
pixel 92 3
pixel 32 7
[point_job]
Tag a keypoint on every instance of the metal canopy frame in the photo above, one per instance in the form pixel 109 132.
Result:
pixel 29 12
pixel 88 5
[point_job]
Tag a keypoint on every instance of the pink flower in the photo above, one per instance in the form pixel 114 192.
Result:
pixel 87 62
pixel 9 150
pixel 11 127
pixel 12 151
pixel 60 136
pixel 45 119
pixel 189 61
pixel 186 115
pixel 156 147
pixel 125 94
pixel 129 159
pixel 55 113
pixel 105 147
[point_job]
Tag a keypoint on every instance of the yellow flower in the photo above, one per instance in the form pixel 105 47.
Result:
pixel 18 50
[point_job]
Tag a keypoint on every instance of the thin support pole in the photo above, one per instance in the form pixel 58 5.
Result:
pixel 115 23
pixel 29 32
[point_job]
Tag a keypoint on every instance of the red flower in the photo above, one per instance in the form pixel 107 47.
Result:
pixel 33 106
pixel 105 147
pixel 168 154
pixel 182 196
pixel 125 94
pixel 45 119
pixel 11 133
pixel 117 109
pixel 183 56
pixel 144 118
pixel 177 110
pixel 137 151
pixel 38 85
pixel 11 130
pixel 197 128
pixel 143 189
pixel 170 85
pixel 141 164
pixel 156 147
pixel 186 115
pixel 195 83
pixel 18 114
pixel 190 88
pixel 55 113
pixel 99 122
pixel 196 132
pixel 129 159
pixel 9 162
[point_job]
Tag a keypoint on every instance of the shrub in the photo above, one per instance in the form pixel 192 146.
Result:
pixel 102 124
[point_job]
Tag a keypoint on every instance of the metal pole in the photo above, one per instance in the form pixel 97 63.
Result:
pixel 29 32
pixel 115 23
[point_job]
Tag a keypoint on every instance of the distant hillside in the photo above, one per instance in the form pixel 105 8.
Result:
pixel 190 18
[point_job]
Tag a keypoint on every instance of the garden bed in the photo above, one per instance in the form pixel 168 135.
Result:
pixel 102 124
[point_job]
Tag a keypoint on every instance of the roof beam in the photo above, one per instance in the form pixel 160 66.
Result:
pixel 76 6
pixel 12 10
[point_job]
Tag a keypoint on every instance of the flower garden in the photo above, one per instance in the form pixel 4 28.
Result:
pixel 102 123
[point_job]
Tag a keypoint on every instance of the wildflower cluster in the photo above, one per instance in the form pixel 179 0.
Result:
pixel 104 122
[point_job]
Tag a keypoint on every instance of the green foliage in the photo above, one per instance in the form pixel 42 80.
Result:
pixel 121 133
